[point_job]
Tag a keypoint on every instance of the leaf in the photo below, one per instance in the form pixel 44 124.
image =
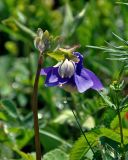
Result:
pixel 56 154
pixel 6 153
pixel 57 55
pixel 50 140
pixel 20 25
pixel 25 156
pixel 79 19
pixel 71 23
pixel 80 148
pixel 9 107
pixel 122 3
pixel 13 33
pixel 111 147
pixel 22 136
pixel 68 20
pixel 63 53
pixel 121 39
pixel 65 116
pixel 106 99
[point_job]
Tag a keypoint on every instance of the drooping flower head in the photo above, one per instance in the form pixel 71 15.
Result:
pixel 71 76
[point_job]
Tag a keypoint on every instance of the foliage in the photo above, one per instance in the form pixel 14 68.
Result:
pixel 100 29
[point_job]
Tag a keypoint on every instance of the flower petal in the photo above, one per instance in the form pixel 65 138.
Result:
pixel 52 78
pixel 97 85
pixel 79 65
pixel 69 86
pixel 80 56
pixel 83 83
pixel 45 71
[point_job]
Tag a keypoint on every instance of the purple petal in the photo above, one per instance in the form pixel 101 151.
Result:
pixel 45 71
pixel 52 78
pixel 79 65
pixel 97 85
pixel 69 86
pixel 83 83
pixel 80 56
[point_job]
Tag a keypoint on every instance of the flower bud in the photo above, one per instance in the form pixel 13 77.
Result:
pixel 39 44
pixel 40 33
pixel 67 69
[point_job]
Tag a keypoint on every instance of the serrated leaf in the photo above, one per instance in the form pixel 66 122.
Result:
pixel 112 147
pixel 56 154
pixel 80 148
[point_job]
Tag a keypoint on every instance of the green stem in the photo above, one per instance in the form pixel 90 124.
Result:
pixel 35 109
pixel 120 125
pixel 121 135
pixel 76 115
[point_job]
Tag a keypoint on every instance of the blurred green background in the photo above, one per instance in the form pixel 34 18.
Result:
pixel 84 22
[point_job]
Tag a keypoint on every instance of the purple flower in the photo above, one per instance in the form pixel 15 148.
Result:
pixel 71 76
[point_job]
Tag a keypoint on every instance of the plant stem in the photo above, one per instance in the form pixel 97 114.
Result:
pixel 75 115
pixel 121 135
pixel 35 109
pixel 120 124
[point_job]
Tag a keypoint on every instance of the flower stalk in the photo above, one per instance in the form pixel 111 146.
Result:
pixel 35 108
pixel 121 135
pixel 79 125
pixel 120 124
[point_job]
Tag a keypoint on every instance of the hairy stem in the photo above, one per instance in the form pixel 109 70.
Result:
pixel 35 109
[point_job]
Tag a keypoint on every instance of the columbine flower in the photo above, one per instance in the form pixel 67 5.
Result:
pixel 71 76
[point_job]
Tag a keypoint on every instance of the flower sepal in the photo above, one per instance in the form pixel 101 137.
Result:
pixel 61 54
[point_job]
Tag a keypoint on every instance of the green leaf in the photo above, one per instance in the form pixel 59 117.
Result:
pixel 13 21
pixel 63 53
pixel 21 136
pixel 65 116
pixel 25 156
pixel 6 153
pixel 80 148
pixel 122 3
pixel 57 55
pixel 50 140
pixel 121 39
pixel 107 100
pixel 111 147
pixel 72 22
pixel 68 20
pixel 9 107
pixel 56 154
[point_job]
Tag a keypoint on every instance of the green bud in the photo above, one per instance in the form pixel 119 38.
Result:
pixel 117 86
